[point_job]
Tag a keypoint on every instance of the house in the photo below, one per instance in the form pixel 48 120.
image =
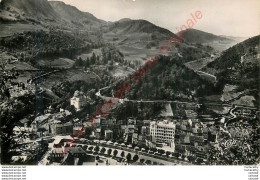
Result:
pixel 24 122
pixel 131 122
pixel 51 124
pixel 190 114
pixel 79 100
pixel 62 129
pixel 135 138
pixel 108 134
pixel 97 133
pixel 68 156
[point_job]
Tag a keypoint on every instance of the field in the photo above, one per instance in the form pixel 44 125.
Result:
pixel 84 56
pixel 10 29
pixel 245 101
pixel 134 46
pixel 68 75
pixel 220 45
pixel 198 64
pixel 207 76
pixel 19 66
pixel 121 72
pixel 229 93
pixel 220 109
pixel 58 63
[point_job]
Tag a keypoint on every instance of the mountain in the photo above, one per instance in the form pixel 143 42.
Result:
pixel 24 9
pixel 238 39
pixel 140 33
pixel 50 13
pixel 239 66
pixel 128 26
pixel 135 33
pixel 218 42
pixel 73 15
pixel 241 54
pixel 197 36
pixel 136 39
pixel 139 39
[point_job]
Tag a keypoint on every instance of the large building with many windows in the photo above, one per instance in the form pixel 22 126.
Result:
pixel 162 132
pixel 78 100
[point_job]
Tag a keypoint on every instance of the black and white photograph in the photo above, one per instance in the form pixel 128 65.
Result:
pixel 129 83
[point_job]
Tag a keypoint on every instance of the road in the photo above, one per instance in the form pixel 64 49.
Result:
pixel 201 73
pixel 139 101
pixel 142 155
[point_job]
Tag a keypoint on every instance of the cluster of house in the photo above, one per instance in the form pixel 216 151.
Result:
pixel 189 137
pixel 192 138
pixel 19 89
pixel 52 124
pixel 152 133
pixel 46 125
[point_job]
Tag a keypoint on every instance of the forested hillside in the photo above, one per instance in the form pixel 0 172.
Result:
pixel 238 65
pixel 168 80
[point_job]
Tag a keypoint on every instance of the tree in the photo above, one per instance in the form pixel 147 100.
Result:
pixel 72 109
pixel 109 151
pixel 146 149
pixel 115 152
pixel 191 158
pixel 168 153
pixel 160 151
pixel 87 62
pixel 183 157
pixel 128 157
pixel 103 150
pixel 163 151
pixel 148 162
pixel 85 147
pixel 97 158
pixel 109 55
pixel 79 62
pixel 93 58
pixel 136 157
pixel 154 149
pixel 122 154
pixel 90 148
pixel 199 160
pixel 96 148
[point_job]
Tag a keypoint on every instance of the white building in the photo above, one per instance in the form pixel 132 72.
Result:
pixel 78 100
pixel 162 132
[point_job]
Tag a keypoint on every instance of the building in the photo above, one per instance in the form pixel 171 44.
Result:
pixel 78 100
pixel 131 121
pixel 191 139
pixel 108 134
pixel 97 133
pixel 162 132
pixel 51 125
pixel 190 114
pixel 67 156
pixel 62 129
pixel 107 121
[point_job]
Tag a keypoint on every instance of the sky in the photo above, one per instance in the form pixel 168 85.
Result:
pixel 221 17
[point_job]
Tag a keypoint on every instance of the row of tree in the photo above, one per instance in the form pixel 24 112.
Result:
pixel 96 149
